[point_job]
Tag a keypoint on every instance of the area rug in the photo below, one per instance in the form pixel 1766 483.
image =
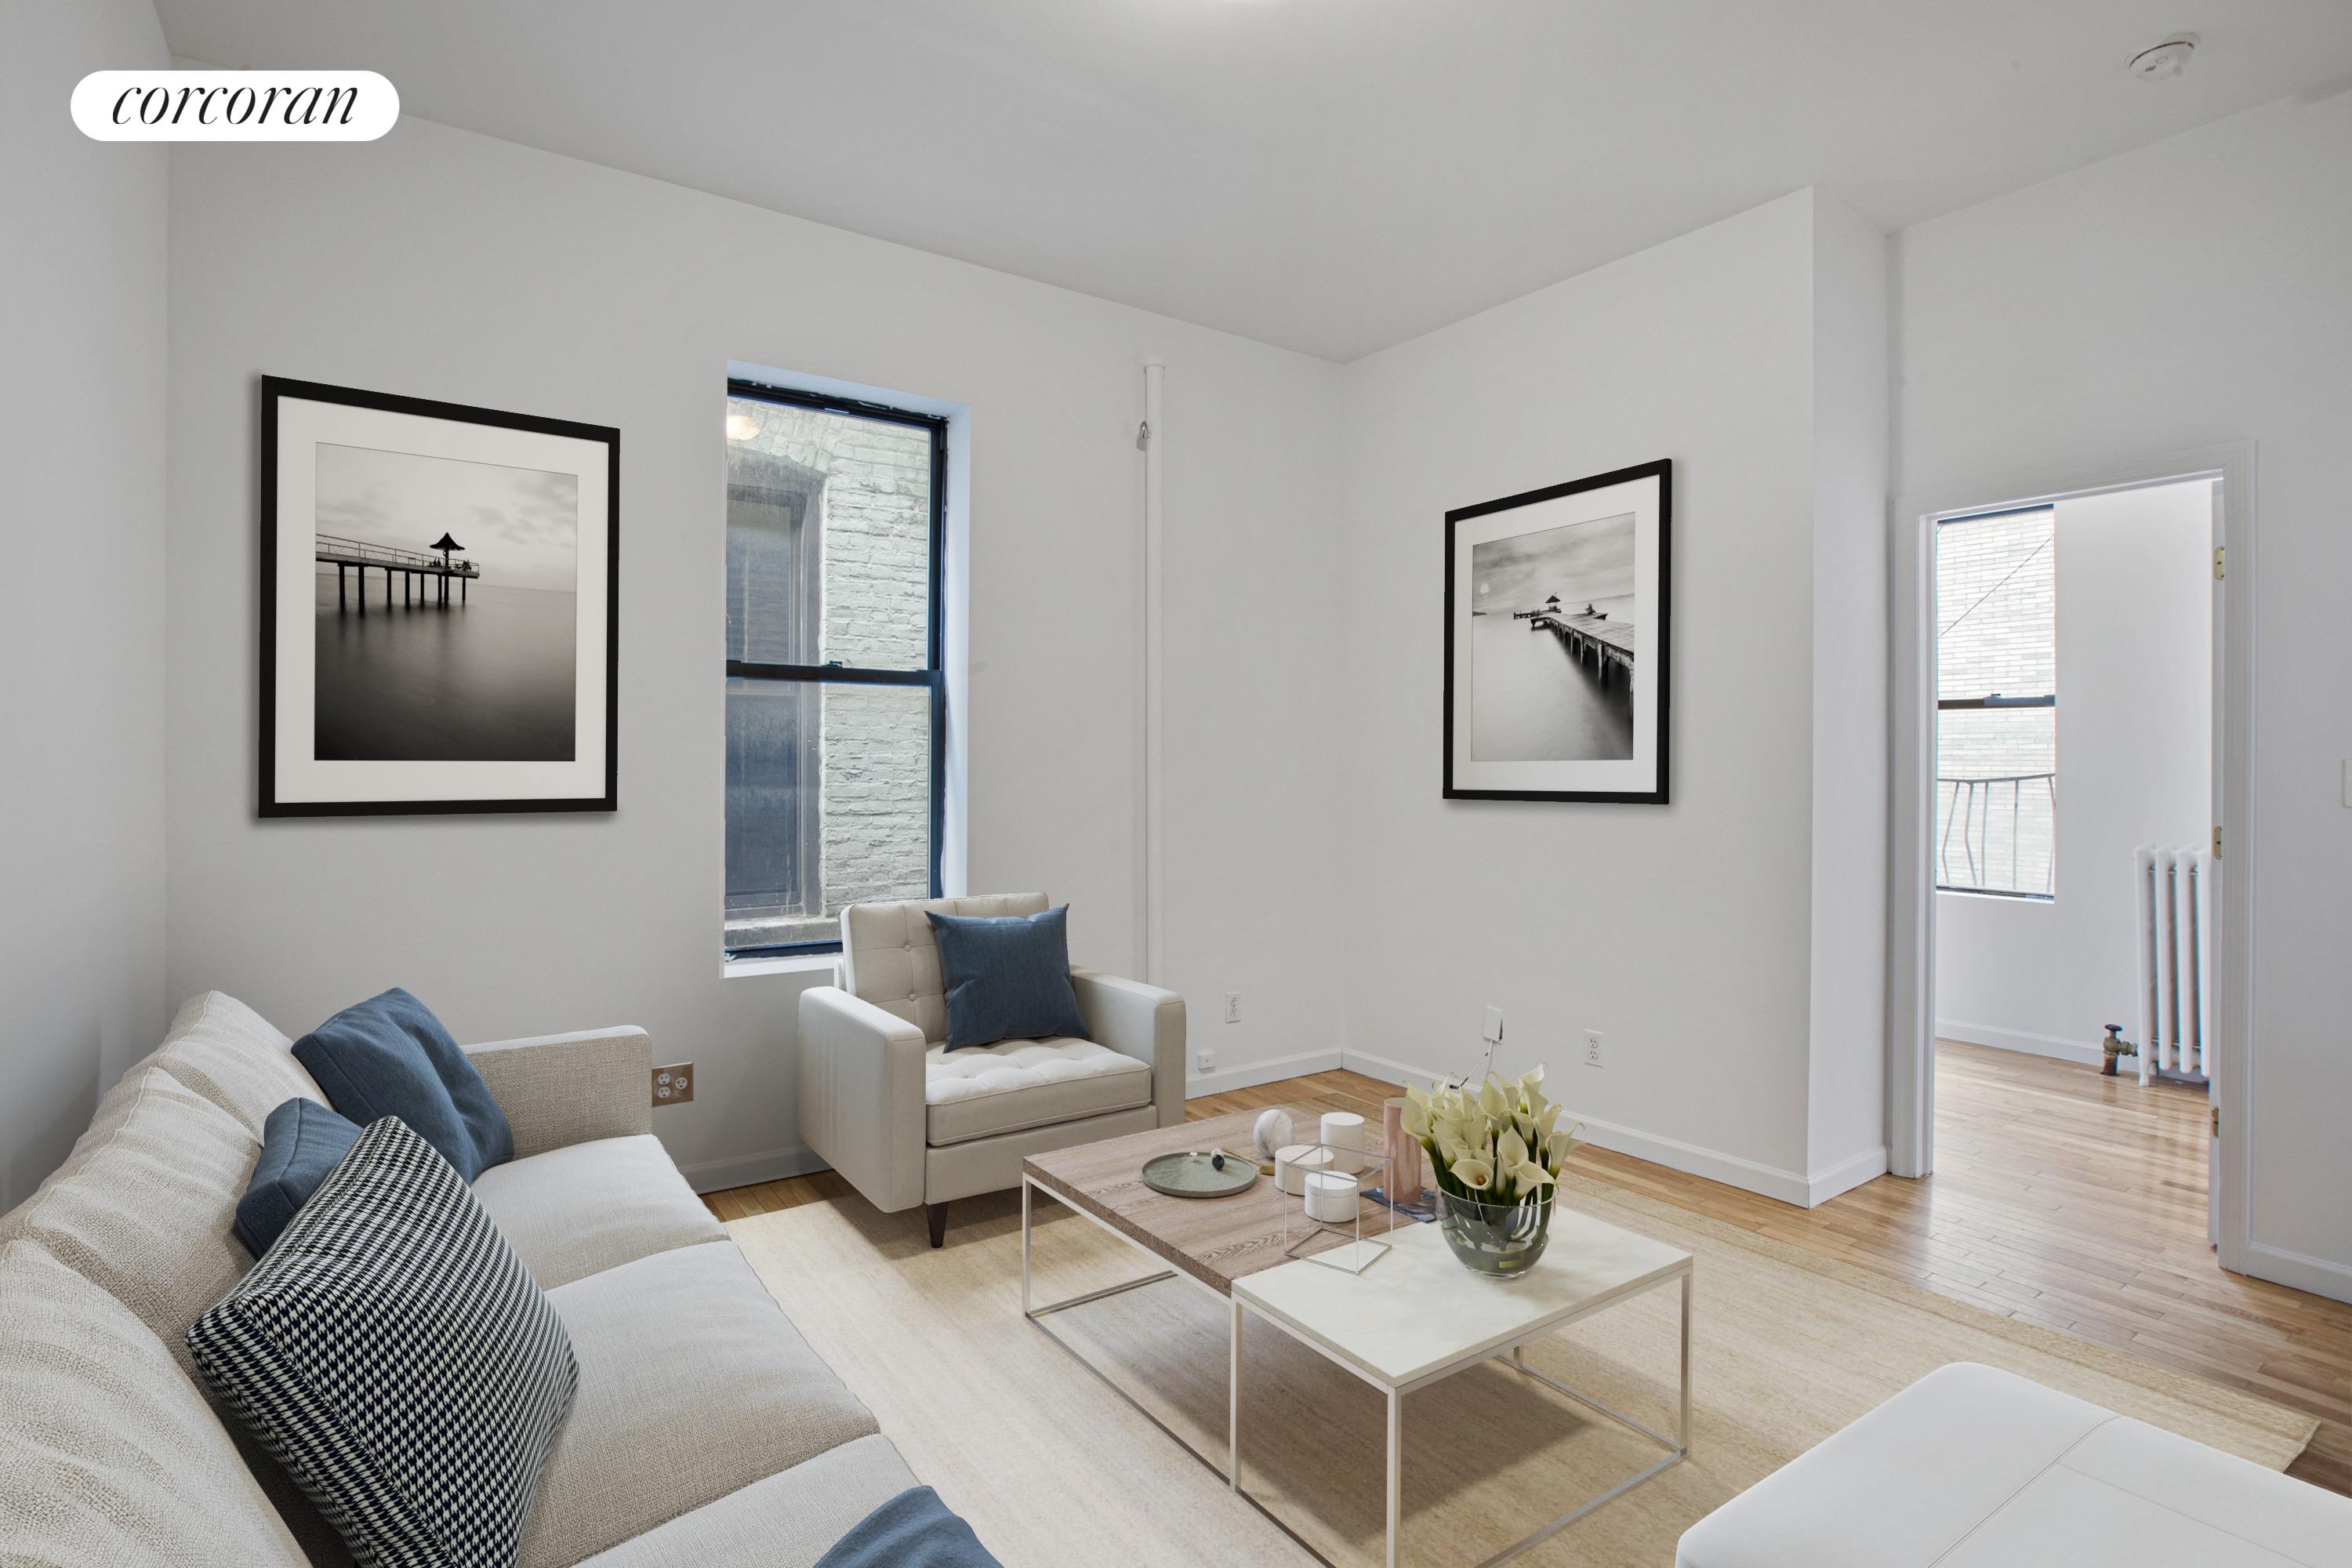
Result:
pixel 1052 1469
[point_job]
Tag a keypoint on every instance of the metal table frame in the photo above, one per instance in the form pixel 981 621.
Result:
pixel 1511 1354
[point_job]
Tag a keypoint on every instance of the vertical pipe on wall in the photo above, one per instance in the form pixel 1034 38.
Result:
pixel 1152 885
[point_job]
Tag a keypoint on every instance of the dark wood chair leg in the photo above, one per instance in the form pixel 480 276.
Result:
pixel 936 1214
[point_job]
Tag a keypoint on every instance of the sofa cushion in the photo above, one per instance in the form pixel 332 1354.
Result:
pixel 1015 1084
pixel 389 1055
pixel 395 1355
pixel 143 1208
pixel 108 1454
pixel 235 1058
pixel 2065 1519
pixel 1007 976
pixel 1975 1468
pixel 586 1207
pixel 2235 1495
pixel 692 1383
pixel 1899 1487
pixel 788 1521
pixel 2136 1496
pixel 143 1205
pixel 301 1142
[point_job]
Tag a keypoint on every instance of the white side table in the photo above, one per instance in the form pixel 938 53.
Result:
pixel 1419 1316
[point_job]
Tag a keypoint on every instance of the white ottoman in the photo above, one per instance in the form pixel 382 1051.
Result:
pixel 1974 1467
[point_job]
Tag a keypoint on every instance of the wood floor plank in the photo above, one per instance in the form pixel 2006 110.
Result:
pixel 2061 1198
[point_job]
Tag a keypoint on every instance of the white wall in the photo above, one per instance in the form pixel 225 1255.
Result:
pixel 2134 626
pixel 2190 292
pixel 1845 1121
pixel 81 598
pixel 1683 933
pixel 451 265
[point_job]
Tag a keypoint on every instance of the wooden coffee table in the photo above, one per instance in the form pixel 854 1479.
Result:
pixel 1415 1318
pixel 1209 1242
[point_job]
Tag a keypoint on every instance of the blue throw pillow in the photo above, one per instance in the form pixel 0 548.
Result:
pixel 301 1142
pixel 913 1529
pixel 1007 978
pixel 389 1057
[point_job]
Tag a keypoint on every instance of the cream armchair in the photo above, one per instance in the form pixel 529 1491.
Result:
pixel 906 1121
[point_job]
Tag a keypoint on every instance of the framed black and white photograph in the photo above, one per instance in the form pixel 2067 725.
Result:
pixel 1555 679
pixel 439 606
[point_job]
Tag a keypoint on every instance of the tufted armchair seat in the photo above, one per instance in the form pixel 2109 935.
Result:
pixel 905 1121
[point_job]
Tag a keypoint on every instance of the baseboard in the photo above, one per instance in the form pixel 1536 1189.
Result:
pixel 1846 1175
pixel 1768 1180
pixel 1389 1071
pixel 2065 1050
pixel 749 1170
pixel 1249 1074
pixel 2316 1275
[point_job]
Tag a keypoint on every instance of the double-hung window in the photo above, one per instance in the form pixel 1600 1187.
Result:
pixel 1997 703
pixel 835 695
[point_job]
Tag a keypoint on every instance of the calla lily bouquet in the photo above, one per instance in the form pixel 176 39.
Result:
pixel 1498 1145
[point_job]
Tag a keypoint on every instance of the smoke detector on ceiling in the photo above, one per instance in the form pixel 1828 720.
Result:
pixel 2160 62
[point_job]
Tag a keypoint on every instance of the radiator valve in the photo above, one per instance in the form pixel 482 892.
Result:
pixel 2114 1046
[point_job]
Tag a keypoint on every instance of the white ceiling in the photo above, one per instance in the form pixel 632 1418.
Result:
pixel 1332 175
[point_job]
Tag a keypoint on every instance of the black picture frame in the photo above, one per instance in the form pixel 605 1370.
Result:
pixel 1656 650
pixel 275 391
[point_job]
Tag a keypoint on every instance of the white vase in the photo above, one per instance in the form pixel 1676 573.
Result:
pixel 1330 1197
pixel 1343 1133
pixel 1294 1162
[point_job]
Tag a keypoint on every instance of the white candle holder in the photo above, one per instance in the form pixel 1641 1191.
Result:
pixel 1318 1163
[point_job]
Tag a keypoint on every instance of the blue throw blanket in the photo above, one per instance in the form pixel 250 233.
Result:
pixel 913 1529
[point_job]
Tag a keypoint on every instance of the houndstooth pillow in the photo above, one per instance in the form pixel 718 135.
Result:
pixel 397 1359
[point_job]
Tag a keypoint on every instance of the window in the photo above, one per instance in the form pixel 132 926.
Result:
pixel 1997 703
pixel 835 696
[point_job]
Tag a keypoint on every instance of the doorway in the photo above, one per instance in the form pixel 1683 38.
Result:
pixel 2067 666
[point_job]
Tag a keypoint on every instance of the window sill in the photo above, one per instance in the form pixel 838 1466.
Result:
pixel 1995 895
pixel 826 963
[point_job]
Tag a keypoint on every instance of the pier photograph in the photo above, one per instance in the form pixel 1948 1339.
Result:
pixel 1556 680
pixel 444 596
pixel 1555 612
pixel 440 623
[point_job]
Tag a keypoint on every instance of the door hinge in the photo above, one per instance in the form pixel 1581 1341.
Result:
pixel 2217 843
pixel 2218 552
pixel 2217 1121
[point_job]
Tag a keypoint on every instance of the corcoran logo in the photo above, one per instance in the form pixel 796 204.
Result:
pixel 235 106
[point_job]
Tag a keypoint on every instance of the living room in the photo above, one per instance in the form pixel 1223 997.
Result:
pixel 1278 374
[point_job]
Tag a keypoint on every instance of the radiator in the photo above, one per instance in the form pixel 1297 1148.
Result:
pixel 2175 1000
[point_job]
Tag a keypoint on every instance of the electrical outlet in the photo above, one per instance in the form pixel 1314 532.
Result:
pixel 1592 1047
pixel 1494 1034
pixel 1204 1061
pixel 674 1085
pixel 1233 1006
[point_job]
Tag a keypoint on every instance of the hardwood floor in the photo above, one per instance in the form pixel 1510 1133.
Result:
pixel 2061 1198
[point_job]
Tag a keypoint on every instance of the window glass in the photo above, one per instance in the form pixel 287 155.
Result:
pixel 833 696
pixel 1997 688
pixel 828 538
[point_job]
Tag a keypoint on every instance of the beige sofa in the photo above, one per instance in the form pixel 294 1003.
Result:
pixel 705 1431
pixel 906 1121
